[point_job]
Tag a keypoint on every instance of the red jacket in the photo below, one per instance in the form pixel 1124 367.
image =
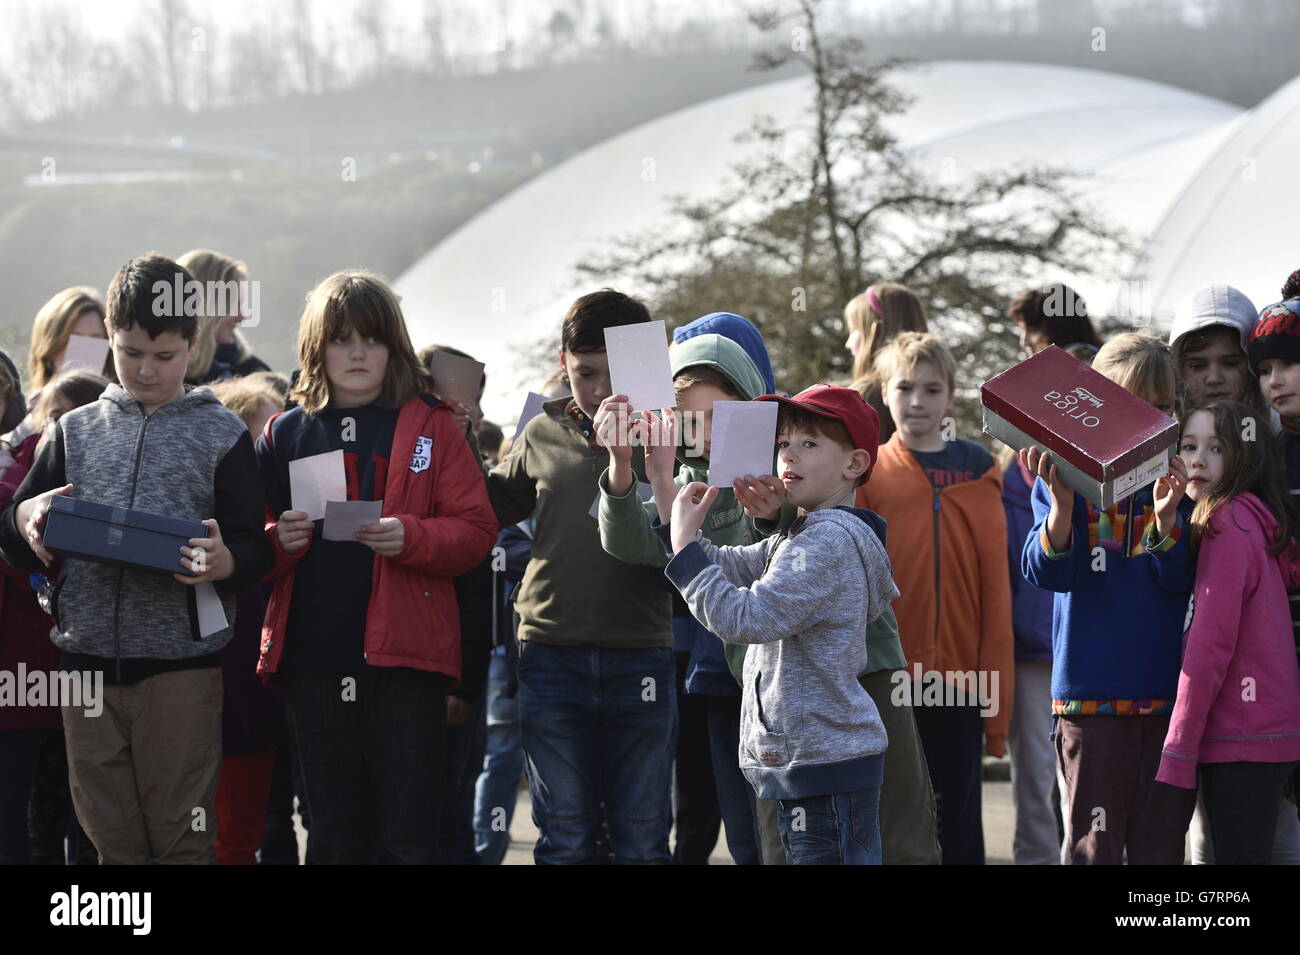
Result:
pixel 412 620
pixel 24 626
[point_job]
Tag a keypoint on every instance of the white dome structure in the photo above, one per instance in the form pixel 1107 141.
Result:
pixel 1199 180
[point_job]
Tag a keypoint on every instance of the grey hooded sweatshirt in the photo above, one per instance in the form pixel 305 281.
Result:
pixel 803 599
pixel 190 459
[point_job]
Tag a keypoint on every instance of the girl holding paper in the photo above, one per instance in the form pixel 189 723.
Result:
pixel 364 634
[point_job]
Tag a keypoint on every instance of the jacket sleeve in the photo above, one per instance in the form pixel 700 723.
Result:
pixel 1222 579
pixel 625 530
pixel 1172 564
pixel 741 565
pixel 997 640
pixel 462 530
pixel 276 493
pixel 1058 573
pixel 474 600
pixel 240 513
pixel 48 471
pixel 512 490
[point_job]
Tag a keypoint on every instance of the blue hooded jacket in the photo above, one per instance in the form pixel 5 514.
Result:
pixel 739 330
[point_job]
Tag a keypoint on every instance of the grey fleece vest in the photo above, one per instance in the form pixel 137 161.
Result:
pixel 165 464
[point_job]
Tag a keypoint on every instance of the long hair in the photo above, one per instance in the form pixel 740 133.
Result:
pixel 215 271
pixel 878 315
pixel 1252 462
pixel 360 301
pixel 53 327
pixel 1189 345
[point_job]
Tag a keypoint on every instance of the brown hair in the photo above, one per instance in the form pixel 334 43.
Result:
pixel 244 396
pixel 1058 311
pixel 137 290
pixel 360 301
pixel 216 271
pixel 53 327
pixel 589 315
pixel 901 311
pixel 1254 466
pixel 77 388
pixel 794 418
pixel 693 375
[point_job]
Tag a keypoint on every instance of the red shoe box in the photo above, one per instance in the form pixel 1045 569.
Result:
pixel 1106 442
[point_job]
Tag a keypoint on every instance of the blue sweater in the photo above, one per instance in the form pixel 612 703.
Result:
pixel 1120 606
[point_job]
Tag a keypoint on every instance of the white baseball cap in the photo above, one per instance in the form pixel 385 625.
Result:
pixel 1214 305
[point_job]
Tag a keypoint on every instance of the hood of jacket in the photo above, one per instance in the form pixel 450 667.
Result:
pixel 739 330
pixel 1288 561
pixel 724 355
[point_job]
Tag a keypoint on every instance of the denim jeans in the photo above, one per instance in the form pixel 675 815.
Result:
pixel 735 794
pixel 497 789
pixel 373 764
pixel 839 829
pixel 598 731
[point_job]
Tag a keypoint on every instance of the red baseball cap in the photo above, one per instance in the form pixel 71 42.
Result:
pixel 845 405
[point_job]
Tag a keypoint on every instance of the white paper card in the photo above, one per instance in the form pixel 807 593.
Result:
pixel 456 378
pixel 315 480
pixel 85 352
pixel 639 366
pixel 743 440
pixel 212 616
pixel 532 408
pixel 344 518
pixel 643 491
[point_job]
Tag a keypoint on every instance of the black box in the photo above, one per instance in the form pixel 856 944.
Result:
pixel 115 535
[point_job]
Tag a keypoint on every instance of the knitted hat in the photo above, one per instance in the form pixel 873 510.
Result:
pixel 1276 335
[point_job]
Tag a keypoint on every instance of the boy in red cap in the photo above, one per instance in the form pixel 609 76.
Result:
pixel 811 737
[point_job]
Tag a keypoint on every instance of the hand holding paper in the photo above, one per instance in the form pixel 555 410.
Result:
pixel 315 480
pixel 743 440
pixel 344 519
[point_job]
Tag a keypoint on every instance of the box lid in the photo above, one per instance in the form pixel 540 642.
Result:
pixel 158 523
pixel 1078 413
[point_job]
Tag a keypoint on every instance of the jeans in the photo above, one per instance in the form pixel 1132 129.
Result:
pixel 18 754
pixel 372 760
pixel 735 794
pixel 465 745
pixel 953 739
pixel 598 732
pixel 1239 808
pixel 839 829
pixel 696 816
pixel 497 789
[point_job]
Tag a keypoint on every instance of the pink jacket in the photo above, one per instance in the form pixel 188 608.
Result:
pixel 1239 690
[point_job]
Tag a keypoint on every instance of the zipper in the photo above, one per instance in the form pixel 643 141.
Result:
pixel 938 594
pixel 117 601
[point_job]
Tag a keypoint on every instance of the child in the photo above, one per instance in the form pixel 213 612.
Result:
pixel 365 633
pixel 144 774
pixel 706 368
pixel 1054 315
pixel 1121 578
pixel 597 700
pixel 874 318
pixel 222 352
pixel 1236 722
pixel 252 721
pixel 1208 340
pixel 942 499
pixel 811 737
pixel 74 311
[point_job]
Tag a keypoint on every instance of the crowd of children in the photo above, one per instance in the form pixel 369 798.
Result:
pixel 815 660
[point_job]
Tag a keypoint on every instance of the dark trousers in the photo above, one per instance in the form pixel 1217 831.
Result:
pixel 279 841
pixel 1241 808
pixel 465 749
pixel 953 740
pixel 1116 805
pixel 372 755
pixel 735 794
pixel 697 816
pixel 18 753
pixel 51 820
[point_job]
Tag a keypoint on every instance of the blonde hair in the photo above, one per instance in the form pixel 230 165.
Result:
pixel 905 352
pixel 244 396
pixel 209 268
pixel 1140 363
pixel 900 311
pixel 360 301
pixel 53 327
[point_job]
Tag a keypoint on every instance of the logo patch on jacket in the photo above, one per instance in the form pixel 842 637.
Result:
pixel 422 455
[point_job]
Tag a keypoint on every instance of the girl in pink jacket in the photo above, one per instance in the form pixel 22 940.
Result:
pixel 1237 714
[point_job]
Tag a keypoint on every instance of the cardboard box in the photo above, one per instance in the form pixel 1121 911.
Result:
pixel 115 535
pixel 1106 442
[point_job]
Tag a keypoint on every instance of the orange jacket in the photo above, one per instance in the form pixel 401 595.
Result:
pixel 955 611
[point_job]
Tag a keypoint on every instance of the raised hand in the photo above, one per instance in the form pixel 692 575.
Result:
pixel 760 496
